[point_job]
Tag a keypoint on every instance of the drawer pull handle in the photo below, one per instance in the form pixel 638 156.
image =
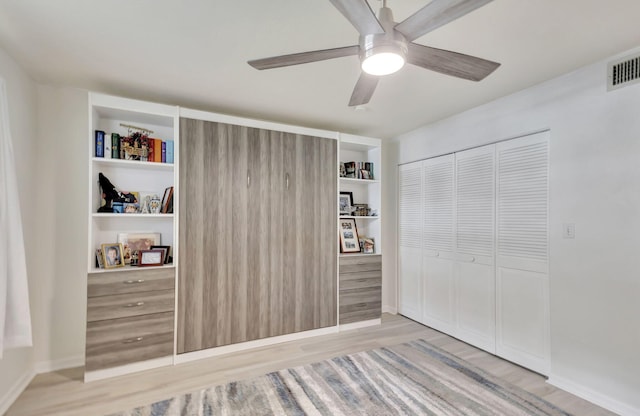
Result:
pixel 131 282
pixel 132 340
pixel 134 305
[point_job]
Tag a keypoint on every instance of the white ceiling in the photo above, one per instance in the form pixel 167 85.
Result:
pixel 193 53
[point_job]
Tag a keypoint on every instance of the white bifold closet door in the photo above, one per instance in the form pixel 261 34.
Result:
pixel 410 240
pixel 474 267
pixel 438 243
pixel 522 285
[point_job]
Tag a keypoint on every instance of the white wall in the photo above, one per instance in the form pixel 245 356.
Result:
pixel 595 183
pixel 16 366
pixel 62 200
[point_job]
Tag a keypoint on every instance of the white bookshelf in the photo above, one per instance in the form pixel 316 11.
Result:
pixel 365 191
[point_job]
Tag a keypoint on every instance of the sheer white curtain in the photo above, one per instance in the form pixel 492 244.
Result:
pixel 15 318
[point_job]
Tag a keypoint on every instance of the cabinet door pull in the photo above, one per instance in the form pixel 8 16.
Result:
pixel 134 305
pixel 248 178
pixel 130 282
pixel 286 177
pixel 132 340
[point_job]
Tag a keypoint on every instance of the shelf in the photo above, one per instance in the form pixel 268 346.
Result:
pixel 131 268
pixel 118 215
pixel 359 181
pixel 359 254
pixel 357 217
pixel 132 163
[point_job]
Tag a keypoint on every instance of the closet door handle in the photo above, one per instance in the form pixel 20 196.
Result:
pixel 248 178
pixel 286 179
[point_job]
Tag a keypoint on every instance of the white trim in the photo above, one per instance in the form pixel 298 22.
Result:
pixel 361 324
pixel 623 409
pixel 260 124
pixel 127 369
pixel 226 349
pixel 128 104
pixel 15 391
pixel 61 364
pixel 390 309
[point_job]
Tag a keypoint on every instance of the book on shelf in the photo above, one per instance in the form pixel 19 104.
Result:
pixel 357 170
pixel 164 153
pixel 169 146
pixel 115 146
pixel 157 150
pixel 107 146
pixel 99 143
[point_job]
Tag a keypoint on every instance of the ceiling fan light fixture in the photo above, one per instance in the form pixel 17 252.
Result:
pixel 383 63
pixel 383 54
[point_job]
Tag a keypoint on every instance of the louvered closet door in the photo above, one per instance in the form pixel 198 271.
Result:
pixel 474 266
pixel 410 240
pixel 522 251
pixel 438 243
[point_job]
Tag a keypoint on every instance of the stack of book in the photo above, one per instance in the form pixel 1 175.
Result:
pixel 357 170
pixel 134 147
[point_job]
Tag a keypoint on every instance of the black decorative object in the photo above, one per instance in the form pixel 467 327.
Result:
pixel 111 194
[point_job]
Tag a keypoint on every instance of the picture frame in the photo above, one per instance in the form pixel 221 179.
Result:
pixel 150 258
pixel 132 242
pixel 361 210
pixel 349 241
pixel 99 259
pixel 112 255
pixel 345 202
pixel 367 245
pixel 165 252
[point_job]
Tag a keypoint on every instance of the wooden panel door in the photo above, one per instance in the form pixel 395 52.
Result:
pixel 257 232
pixel 310 243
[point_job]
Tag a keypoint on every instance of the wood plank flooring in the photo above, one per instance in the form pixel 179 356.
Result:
pixel 64 392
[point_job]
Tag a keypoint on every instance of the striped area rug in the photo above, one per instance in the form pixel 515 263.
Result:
pixel 415 378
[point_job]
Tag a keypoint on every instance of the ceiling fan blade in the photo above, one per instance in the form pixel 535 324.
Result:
pixel 364 89
pixel 304 57
pixel 360 15
pixel 436 14
pixel 450 63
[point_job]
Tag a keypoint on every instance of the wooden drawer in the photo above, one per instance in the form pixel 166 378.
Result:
pixel 114 283
pixel 350 264
pixel 129 304
pixel 123 341
pixel 360 280
pixel 360 304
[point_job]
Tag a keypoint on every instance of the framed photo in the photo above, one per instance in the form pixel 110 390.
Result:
pixel 112 255
pixel 132 242
pixel 360 210
pixel 150 258
pixel 346 202
pixel 99 259
pixel 165 252
pixel 367 245
pixel 349 241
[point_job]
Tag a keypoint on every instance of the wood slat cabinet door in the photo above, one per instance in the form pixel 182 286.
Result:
pixel 310 243
pixel 258 234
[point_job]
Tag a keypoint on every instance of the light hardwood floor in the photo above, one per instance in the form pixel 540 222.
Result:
pixel 64 392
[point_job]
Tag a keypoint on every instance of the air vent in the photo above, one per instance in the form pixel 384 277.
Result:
pixel 623 72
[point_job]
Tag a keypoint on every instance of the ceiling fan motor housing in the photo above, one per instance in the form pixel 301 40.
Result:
pixel 391 41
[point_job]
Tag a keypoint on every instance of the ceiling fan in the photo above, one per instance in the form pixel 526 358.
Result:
pixel 385 46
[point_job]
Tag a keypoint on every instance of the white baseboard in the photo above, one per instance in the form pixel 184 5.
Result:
pixel 623 409
pixel 214 352
pixel 55 365
pixel 389 309
pixel 15 391
pixel 127 369
pixel 361 324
